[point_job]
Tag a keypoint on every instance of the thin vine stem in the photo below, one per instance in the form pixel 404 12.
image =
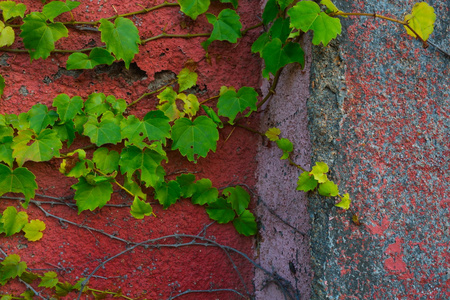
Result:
pixel 151 93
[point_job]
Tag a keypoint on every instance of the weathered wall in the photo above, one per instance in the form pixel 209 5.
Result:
pixel 379 116
pixel 74 252
pixel 284 221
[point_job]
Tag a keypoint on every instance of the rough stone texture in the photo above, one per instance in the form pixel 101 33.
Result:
pixel 284 222
pixel 379 116
pixel 74 252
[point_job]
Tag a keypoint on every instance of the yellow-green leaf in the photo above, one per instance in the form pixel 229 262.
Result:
pixel 6 35
pixel 33 230
pixel 345 202
pixel 273 133
pixel 421 20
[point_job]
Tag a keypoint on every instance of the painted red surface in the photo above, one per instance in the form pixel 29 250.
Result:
pixel 74 252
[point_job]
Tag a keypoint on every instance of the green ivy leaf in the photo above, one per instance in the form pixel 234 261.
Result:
pixel 328 189
pixel 186 79
pixel 168 193
pixel 227 27
pixel 306 182
pixel 11 9
pixel 276 55
pixel 49 280
pixel 19 122
pixel 33 230
pixel 194 8
pixel 36 147
pixel 155 126
pixel 97 56
pixel 76 165
pixel 272 134
pixel 270 11
pixel 105 132
pixel 121 38
pixel 245 223
pixel 6 151
pixel 12 267
pixel 39 37
pixel 118 106
pixel 63 289
pixel 195 138
pixel 237 197
pixel 66 107
pixel 306 15
pixel 13 221
pixel 319 172
pixel 90 196
pixel 260 43
pixel 134 188
pixel 421 20
pixel 187 185
pixel 96 104
pixel 66 132
pixel 147 161
pixel 18 181
pixel 221 211
pixel 40 117
pixel 140 209
pixel 232 103
pixel 286 146
pixel 204 192
pixel 56 8
pixel 7 35
pixel 212 114
pixel 345 202
pixel 105 160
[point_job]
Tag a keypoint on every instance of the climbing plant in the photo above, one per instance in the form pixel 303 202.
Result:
pixel 181 122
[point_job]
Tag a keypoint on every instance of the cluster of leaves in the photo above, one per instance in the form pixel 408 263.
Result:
pixel 13 267
pixel 12 222
pixel 310 180
pixel 39 135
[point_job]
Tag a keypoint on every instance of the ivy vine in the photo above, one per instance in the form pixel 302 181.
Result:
pixel 180 122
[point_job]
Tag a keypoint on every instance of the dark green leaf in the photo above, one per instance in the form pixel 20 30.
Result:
pixel 270 12
pixel 2 85
pixel 221 211
pixel 227 27
pixel 245 224
pixel 66 132
pixel 276 55
pixel 121 38
pixel 168 193
pixel 195 138
pixel 187 185
pixel 260 43
pixel 97 56
pixel 6 151
pixel 212 114
pixel 284 3
pixel 234 2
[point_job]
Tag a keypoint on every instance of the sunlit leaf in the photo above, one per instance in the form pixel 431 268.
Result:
pixel 140 209
pixel 105 160
pixel 12 267
pixel 7 35
pixel 13 221
pixel 49 280
pixel 319 172
pixel 272 134
pixel 33 230
pixel 345 202
pixel 55 8
pixel 194 8
pixel 328 188
pixel 66 107
pixel 35 147
pixel 105 132
pixel 186 79
pixel 11 9
pixel 421 20
pixel 306 182
pixel 40 117
pixel 19 180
